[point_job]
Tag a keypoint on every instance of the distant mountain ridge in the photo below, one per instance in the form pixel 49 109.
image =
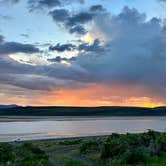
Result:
pixel 8 106
pixel 82 111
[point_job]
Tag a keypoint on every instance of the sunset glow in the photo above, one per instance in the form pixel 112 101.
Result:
pixel 82 53
pixel 98 95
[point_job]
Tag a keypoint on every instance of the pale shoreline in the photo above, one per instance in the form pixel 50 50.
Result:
pixel 69 118
pixel 57 139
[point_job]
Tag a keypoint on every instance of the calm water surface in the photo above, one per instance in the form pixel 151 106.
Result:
pixel 71 127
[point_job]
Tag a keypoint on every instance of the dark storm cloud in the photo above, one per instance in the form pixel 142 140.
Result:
pixel 78 29
pixel 62 48
pixel 80 18
pixel 9 66
pixel 94 47
pixel 97 8
pixel 40 4
pixel 14 47
pixel 60 15
pixel 32 82
pixel 134 53
pixel 75 22
pixel 60 59
pixel 1 39
pixel 26 75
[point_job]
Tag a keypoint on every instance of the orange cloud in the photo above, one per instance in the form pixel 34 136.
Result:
pixel 90 95
pixel 102 95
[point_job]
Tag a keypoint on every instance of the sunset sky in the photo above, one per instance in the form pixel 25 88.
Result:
pixel 83 52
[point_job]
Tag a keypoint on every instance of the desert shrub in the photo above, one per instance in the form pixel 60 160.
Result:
pixel 33 156
pixel 114 162
pixel 135 157
pixel 6 153
pixel 153 134
pixel 156 161
pixel 133 140
pixel 113 148
pixel 113 136
pixel 33 160
pixel 72 162
pixel 154 148
pixel 35 150
pixel 90 145
pixel 162 142
pixel 105 152
pixel 70 142
pixel 149 136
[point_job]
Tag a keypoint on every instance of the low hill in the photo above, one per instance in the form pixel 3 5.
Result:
pixel 83 111
pixel 8 106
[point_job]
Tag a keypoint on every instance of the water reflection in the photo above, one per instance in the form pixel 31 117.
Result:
pixel 61 128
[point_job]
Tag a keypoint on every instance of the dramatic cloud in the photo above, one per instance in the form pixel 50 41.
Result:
pixel 94 47
pixel 78 29
pixel 86 47
pixel 48 77
pixel 14 47
pixel 26 76
pixel 132 55
pixel 1 39
pixel 60 59
pixel 60 15
pixel 40 4
pixel 80 18
pixel 97 8
pixel 137 51
pixel 62 48
pixel 75 22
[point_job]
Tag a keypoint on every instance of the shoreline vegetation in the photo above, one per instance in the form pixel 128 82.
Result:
pixel 83 111
pixel 143 149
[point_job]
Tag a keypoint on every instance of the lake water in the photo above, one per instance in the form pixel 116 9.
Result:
pixel 27 129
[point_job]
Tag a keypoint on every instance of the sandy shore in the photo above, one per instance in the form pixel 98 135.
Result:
pixel 44 139
pixel 44 118
pixel 68 118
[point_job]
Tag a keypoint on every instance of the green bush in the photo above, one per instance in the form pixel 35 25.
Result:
pixel 148 137
pixel 72 162
pixel 87 146
pixel 135 157
pixel 70 142
pixel 114 148
pixel 33 160
pixel 35 150
pixel 6 153
pixel 162 142
pixel 22 155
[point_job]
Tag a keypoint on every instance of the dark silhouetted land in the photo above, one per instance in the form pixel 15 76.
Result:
pixel 83 111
